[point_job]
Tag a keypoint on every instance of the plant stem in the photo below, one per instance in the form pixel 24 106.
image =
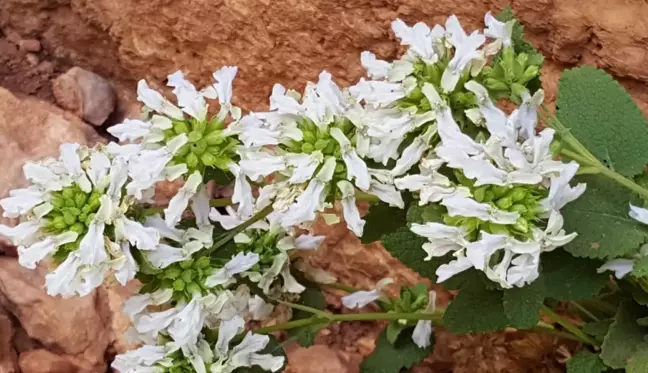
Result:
pixel 220 202
pixel 362 196
pixel 238 229
pixel 584 310
pixel 569 326
pixel 314 311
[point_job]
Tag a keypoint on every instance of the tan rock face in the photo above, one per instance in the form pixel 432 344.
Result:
pixel 292 41
pixel 86 94
pixel 8 357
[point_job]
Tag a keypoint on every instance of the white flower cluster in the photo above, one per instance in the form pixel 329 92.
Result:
pixel 425 124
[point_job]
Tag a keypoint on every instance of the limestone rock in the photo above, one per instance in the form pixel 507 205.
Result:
pixel 71 327
pixel 44 361
pixel 31 129
pixel 318 359
pixel 86 94
pixel 8 358
pixel 29 45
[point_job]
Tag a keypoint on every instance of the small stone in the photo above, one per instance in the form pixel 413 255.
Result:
pixel 8 357
pixel 86 94
pixel 29 45
pixel 32 59
pixel 43 361
pixel 13 37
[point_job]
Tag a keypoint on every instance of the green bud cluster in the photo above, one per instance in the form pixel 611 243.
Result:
pixel 178 361
pixel 414 299
pixel 72 210
pixel 523 199
pixel 186 278
pixel 511 73
pixel 207 146
pixel 318 139
pixel 264 244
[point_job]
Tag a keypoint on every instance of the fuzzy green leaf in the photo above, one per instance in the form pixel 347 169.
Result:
pixel 603 116
pixel 428 213
pixel 305 335
pixel 569 278
pixel 391 358
pixel 624 336
pixel 585 362
pixel 600 217
pixel 406 246
pixel 598 329
pixel 517 36
pixel 638 362
pixel 382 219
pixel 522 305
pixel 640 268
pixel 476 310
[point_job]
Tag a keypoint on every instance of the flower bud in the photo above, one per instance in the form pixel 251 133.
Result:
pixel 522 59
pixel 59 223
pixel 504 203
pixel 495 85
pixel 194 289
pixel 188 275
pixel 215 125
pixel 530 73
pixel 69 218
pixel 521 225
pixel 498 229
pixel 307 147
pixel 70 203
pixel 178 285
pixel 89 219
pixel 172 273
pixel 416 94
pixel 57 201
pixel 214 138
pixel 80 199
pixel 339 167
pixel 500 190
pixel 521 209
pixel 203 262
pixel 192 160
pixel 186 264
pixel 479 193
pixel 321 144
pixel 489 196
pixel 208 159
pixel 194 136
pixel 68 193
pixel 82 217
pixel 309 137
pixel 199 126
pixel 555 147
pixel 518 194
pixel 78 228
pixel 180 127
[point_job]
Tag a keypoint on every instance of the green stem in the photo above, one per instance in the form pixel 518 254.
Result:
pixel 584 310
pixel 600 305
pixel 573 329
pixel 339 286
pixel 220 202
pixel 362 196
pixel 238 229
pixel 301 307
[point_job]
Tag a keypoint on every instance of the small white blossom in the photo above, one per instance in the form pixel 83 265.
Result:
pixel 620 267
pixel 360 299
pixel 423 330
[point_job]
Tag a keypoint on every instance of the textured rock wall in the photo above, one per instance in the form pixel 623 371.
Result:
pixel 290 41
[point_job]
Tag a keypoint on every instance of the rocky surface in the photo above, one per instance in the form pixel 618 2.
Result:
pixel 288 42
pixel 86 94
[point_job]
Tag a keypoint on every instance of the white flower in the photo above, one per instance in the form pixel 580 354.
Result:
pixel 443 238
pixel 192 240
pixel 526 115
pixel 382 186
pixel 143 359
pixel 179 202
pixel 29 256
pixel 560 192
pixel 190 100
pixel 72 163
pixel 239 263
pixel 420 39
pixel 468 207
pixel 360 299
pixel 350 210
pixel 621 267
pixel 130 129
pixel 423 330
pixel 258 163
pixel 356 168
pixel 412 154
pixel 466 55
pixel 155 101
pixel 23 233
pixel 496 121
pixel 445 271
pixel 639 214
pixel 498 30
pixel 303 165
pixel 553 236
pixel 245 354
pixel 375 68
pixel 21 201
pixel 377 93
pixel 242 190
pixel 285 103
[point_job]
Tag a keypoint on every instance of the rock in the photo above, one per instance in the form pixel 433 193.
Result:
pixel 29 45
pixel 32 59
pixel 111 300
pixel 8 358
pixel 73 327
pixel 31 129
pixel 43 361
pixel 86 94
pixel 318 359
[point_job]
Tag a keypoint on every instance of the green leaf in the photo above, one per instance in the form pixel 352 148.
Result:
pixel 145 266
pixel 219 176
pixel 640 268
pixel 603 116
pixel 522 305
pixel 598 329
pixel 476 310
pixel 393 330
pixel 407 247
pixel 600 217
pixel 305 335
pixel 585 362
pixel 421 214
pixel 391 358
pixel 638 362
pixel 382 219
pixel 625 335
pixel 569 278
pixel 273 348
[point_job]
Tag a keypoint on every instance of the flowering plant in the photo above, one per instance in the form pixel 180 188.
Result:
pixel 521 211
